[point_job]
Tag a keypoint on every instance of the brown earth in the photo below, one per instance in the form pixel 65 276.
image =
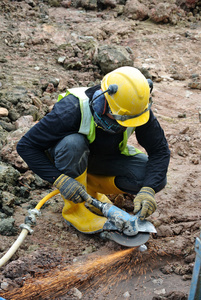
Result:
pixel 57 262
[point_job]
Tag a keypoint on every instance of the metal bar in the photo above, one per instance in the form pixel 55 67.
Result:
pixel 195 289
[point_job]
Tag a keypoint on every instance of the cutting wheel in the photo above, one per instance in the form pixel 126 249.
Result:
pixel 124 240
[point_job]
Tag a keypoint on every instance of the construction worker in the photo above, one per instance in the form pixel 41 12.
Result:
pixel 81 147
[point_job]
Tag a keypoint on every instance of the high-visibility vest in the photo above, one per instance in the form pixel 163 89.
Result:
pixel 88 126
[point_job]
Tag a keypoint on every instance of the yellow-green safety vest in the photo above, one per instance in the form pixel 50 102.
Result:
pixel 88 126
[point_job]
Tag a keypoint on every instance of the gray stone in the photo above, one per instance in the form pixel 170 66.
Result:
pixel 8 174
pixel 7 126
pixel 111 57
pixel 13 114
pixel 3 136
pixel 7 226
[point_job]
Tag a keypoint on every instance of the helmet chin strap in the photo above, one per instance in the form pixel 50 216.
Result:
pixel 127 117
pixel 108 124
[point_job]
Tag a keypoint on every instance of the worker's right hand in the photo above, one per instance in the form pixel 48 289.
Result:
pixel 71 189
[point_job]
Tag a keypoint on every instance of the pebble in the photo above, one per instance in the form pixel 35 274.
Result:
pixel 3 112
pixel 160 292
pixel 188 94
pixel 4 286
pixel 183 131
pixel 142 248
pixel 126 295
pixel 181 115
pixel 77 293
pixel 61 59
pixel 158 281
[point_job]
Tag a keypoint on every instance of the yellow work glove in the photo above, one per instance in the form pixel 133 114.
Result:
pixel 145 200
pixel 71 189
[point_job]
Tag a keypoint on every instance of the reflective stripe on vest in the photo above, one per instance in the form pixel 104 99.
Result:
pixel 87 125
pixel 86 115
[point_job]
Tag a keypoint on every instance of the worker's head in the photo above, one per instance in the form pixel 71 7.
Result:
pixel 129 102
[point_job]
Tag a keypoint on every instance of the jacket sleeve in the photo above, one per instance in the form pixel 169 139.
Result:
pixel 152 138
pixel 63 120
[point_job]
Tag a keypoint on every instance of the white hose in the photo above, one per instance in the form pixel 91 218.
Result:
pixel 14 247
pixel 26 228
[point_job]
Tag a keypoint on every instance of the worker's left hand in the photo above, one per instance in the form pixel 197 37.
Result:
pixel 145 200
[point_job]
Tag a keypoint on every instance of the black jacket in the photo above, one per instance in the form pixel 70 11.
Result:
pixel 65 119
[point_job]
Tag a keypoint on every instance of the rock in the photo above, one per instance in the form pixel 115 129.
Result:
pixel 172 296
pixel 36 101
pixel 167 269
pixel 24 121
pixel 180 77
pixel 190 258
pixel 177 229
pixel 9 153
pixel 158 281
pixel 145 72
pixel 107 3
pixel 4 286
pixel 195 85
pixel 111 57
pixel 87 4
pixel 182 270
pixel 187 277
pixel 39 182
pixel 136 10
pixel 3 136
pixel 181 115
pixel 3 112
pixel 8 201
pixel 7 126
pixel 50 88
pixel 187 3
pixel 7 226
pixel 61 59
pixel 13 114
pixel 66 3
pixel 55 81
pixel 76 293
pixel 126 295
pixel 164 13
pixel 89 249
pixel 16 95
pixel 164 230
pixel 160 292
pixel 119 201
pixel 185 130
pixel 142 248
pixel 8 174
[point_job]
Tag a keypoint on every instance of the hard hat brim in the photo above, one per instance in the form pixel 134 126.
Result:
pixel 135 122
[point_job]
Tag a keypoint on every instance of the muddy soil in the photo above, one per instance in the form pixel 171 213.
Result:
pixel 56 261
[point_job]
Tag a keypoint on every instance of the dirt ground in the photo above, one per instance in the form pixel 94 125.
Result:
pixel 56 261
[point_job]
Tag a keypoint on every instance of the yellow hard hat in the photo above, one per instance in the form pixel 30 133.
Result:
pixel 130 105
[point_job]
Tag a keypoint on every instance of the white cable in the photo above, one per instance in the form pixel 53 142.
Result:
pixel 14 247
